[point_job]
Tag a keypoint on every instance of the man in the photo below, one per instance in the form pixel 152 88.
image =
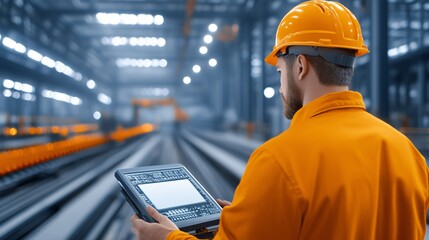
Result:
pixel 337 172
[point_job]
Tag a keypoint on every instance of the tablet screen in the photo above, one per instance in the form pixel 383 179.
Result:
pixel 172 193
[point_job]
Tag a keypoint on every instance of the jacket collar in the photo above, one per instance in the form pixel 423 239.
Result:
pixel 327 102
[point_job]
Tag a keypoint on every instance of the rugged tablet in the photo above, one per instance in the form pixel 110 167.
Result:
pixel 173 191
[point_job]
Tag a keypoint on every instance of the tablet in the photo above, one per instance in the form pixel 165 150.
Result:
pixel 173 191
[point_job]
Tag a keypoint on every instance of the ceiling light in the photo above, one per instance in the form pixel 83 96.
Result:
pixel 208 38
pixel 187 80
pixel 104 98
pixel 96 115
pixel 34 55
pixel 203 50
pixel 7 83
pixel 20 48
pixel 163 63
pixel 212 27
pixel 161 42
pixel 7 93
pixel 269 92
pixel 27 88
pixel 8 42
pixel 60 67
pixel 158 20
pixel 212 62
pixel 90 84
pixel 16 95
pixel 48 62
pixel 196 68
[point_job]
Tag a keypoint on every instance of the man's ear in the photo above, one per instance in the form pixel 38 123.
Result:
pixel 302 66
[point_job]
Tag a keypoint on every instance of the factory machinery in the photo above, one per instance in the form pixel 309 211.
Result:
pixel 72 193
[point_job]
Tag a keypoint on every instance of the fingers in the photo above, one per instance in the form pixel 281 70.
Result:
pixel 154 214
pixel 134 217
pixel 137 224
pixel 223 203
pixel 162 219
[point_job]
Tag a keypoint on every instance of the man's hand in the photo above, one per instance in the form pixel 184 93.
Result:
pixel 223 203
pixel 152 231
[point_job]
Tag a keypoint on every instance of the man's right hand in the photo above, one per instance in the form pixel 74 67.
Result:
pixel 223 203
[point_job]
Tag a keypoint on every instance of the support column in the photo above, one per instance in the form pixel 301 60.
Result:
pixel 379 59
pixel 421 96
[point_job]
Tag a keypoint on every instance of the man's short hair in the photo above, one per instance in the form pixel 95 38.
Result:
pixel 329 74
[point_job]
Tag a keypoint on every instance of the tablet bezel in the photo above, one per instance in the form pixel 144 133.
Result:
pixel 139 205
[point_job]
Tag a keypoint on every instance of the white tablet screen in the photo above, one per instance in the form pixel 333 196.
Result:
pixel 172 194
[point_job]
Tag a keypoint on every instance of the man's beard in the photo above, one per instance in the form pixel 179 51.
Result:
pixel 293 100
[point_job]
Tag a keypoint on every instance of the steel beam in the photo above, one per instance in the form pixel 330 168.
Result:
pixel 379 59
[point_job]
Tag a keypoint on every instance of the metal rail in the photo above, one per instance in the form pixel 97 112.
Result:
pixel 38 208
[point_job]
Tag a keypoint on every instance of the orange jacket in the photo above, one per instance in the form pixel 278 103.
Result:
pixel 336 173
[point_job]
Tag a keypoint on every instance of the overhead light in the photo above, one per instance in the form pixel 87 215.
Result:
pixel 145 19
pixel 7 83
pixel 153 41
pixel 163 63
pixel 129 19
pixel 48 62
pixel 132 62
pixel 34 55
pixel 16 95
pixel 212 27
pixel 75 101
pixel 60 67
pixel 68 71
pixel 208 38
pixel 269 92
pixel 119 41
pixel 7 93
pixel 90 84
pixel 187 80
pixel 103 98
pixel 27 88
pixel 134 41
pixel 27 96
pixel 212 62
pixel 158 20
pixel 62 97
pixel 17 86
pixel 203 50
pixel 161 42
pixel 8 42
pixel 20 48
pixel 77 76
pixel 96 115
pixel 196 68
pixel 403 49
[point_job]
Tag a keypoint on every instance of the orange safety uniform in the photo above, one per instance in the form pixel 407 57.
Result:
pixel 337 173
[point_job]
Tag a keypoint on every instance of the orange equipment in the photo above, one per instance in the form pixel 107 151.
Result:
pixel 179 114
pixel 318 23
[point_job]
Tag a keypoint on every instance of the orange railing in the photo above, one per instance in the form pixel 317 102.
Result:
pixel 17 159
pixel 122 134
pixel 62 130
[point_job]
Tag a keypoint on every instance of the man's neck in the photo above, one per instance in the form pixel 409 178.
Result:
pixel 321 90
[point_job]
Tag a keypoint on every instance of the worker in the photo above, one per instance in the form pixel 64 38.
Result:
pixel 338 172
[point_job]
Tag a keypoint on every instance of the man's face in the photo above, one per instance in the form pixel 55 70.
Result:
pixel 289 90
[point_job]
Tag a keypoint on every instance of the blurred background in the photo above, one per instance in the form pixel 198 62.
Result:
pixel 90 86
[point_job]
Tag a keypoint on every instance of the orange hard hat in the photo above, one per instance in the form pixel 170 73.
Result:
pixel 318 23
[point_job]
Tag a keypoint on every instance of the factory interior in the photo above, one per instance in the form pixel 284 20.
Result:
pixel 91 86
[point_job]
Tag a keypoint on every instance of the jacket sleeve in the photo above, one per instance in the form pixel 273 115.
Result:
pixel 179 235
pixel 266 204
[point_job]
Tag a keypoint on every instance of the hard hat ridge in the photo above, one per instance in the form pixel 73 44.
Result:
pixel 318 23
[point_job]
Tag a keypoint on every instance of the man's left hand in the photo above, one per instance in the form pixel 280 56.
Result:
pixel 152 231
